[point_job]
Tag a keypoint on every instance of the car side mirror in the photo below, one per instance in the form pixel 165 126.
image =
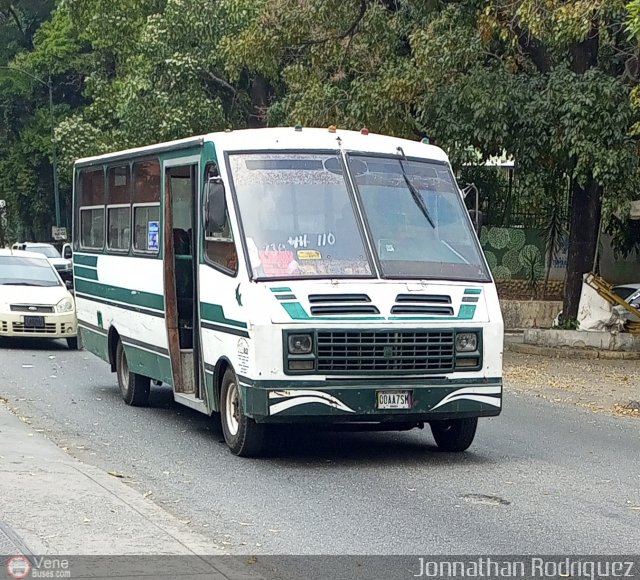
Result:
pixel 68 284
pixel 216 205
pixel 67 252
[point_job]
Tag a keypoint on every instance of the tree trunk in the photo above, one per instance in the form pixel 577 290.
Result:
pixel 586 207
pixel 260 96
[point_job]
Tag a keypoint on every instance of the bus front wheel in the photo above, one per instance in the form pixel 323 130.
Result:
pixel 134 388
pixel 454 434
pixel 243 435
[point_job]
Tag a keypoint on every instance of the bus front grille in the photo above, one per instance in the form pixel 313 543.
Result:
pixel 385 352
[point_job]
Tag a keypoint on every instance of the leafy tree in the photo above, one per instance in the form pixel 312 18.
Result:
pixel 545 81
pixel 25 125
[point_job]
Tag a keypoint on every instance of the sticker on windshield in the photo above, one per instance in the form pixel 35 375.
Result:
pixel 309 255
pixel 153 243
pixel 278 263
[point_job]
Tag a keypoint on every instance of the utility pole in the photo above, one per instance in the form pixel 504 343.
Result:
pixel 54 158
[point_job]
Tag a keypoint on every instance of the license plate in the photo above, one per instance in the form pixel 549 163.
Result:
pixel 34 321
pixel 394 399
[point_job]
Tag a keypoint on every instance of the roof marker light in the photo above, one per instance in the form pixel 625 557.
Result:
pixel 298 127
pixel 425 140
pixel 364 131
pixel 332 128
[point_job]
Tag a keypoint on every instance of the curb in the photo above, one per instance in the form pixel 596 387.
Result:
pixel 567 352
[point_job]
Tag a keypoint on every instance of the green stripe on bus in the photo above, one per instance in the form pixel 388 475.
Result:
pixel 281 289
pixel 126 295
pixel 85 260
pixel 473 291
pixel 295 310
pixel 215 313
pixel 82 272
pixel 148 364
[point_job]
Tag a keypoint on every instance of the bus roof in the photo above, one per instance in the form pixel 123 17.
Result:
pixel 284 138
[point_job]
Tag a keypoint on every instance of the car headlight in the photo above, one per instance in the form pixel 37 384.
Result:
pixel 300 343
pixel 466 342
pixel 65 305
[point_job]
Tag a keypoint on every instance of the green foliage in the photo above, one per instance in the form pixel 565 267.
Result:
pixel 569 324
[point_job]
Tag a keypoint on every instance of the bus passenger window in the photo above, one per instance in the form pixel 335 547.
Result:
pixel 146 228
pixel 92 228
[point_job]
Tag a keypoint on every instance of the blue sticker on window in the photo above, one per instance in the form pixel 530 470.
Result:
pixel 153 243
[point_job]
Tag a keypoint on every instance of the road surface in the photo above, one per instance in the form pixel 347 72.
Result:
pixel 541 478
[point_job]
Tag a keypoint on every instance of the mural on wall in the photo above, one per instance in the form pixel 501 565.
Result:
pixel 512 252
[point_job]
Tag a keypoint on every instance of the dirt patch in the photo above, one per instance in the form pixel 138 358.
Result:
pixel 609 386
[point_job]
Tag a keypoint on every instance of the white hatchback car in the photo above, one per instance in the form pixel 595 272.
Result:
pixel 34 301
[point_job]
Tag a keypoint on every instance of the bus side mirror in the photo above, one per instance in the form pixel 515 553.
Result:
pixel 477 223
pixel 216 205
pixel 67 252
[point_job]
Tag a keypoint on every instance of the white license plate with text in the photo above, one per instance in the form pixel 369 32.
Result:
pixel 394 399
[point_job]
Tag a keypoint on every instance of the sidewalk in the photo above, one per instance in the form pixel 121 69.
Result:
pixel 58 505
pixel 55 506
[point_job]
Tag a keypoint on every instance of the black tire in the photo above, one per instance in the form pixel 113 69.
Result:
pixel 72 343
pixel 454 434
pixel 134 388
pixel 243 435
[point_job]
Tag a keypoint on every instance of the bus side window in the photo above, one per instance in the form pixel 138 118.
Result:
pixel 220 247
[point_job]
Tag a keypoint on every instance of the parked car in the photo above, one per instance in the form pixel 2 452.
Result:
pixel 34 301
pixel 62 265
pixel 629 292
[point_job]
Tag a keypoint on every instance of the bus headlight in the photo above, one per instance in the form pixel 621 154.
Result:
pixel 466 342
pixel 65 305
pixel 300 343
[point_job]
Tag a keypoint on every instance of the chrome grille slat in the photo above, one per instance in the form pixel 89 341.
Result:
pixel 406 351
pixel 28 308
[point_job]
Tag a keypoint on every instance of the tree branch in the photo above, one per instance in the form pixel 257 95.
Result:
pixel 348 33
pixel 533 48
pixel 10 12
pixel 221 82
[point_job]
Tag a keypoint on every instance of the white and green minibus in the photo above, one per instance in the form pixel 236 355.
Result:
pixel 289 275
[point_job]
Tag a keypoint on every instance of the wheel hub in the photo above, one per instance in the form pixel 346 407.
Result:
pixel 232 409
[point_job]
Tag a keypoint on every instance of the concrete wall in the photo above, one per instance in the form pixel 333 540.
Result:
pixel 617 341
pixel 518 314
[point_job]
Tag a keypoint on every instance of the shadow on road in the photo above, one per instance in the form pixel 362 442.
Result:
pixel 292 445
pixel 32 344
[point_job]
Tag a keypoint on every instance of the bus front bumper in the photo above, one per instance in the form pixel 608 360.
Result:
pixel 374 401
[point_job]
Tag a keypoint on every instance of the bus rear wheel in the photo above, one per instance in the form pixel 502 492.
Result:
pixel 454 434
pixel 243 435
pixel 134 388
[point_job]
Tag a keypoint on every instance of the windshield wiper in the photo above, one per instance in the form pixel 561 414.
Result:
pixel 415 194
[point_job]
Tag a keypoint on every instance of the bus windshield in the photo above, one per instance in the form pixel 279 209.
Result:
pixel 417 221
pixel 297 215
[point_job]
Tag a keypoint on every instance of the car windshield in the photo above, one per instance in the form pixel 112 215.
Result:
pixel 48 251
pixel 417 221
pixel 297 216
pixel 26 271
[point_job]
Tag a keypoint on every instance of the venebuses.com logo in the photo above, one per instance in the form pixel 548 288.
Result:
pixel 18 567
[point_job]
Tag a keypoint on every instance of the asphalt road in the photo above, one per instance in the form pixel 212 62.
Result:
pixel 541 478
